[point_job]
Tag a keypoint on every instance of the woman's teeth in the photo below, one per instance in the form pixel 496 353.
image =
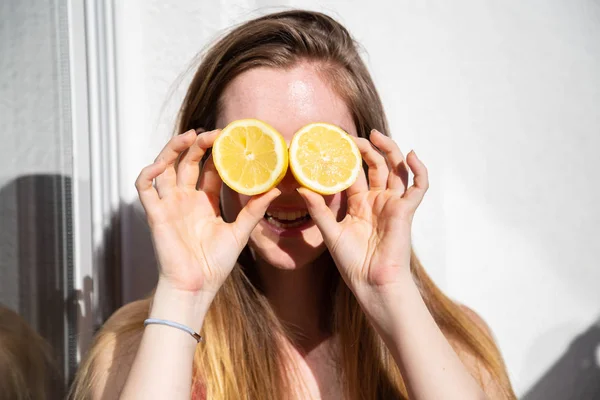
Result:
pixel 287 215
pixel 287 219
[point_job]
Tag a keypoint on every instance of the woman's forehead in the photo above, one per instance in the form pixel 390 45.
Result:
pixel 287 99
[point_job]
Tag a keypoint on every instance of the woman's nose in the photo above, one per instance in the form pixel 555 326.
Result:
pixel 288 183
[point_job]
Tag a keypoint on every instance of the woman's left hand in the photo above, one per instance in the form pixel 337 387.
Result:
pixel 371 246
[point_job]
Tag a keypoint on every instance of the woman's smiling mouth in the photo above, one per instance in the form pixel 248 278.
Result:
pixel 288 222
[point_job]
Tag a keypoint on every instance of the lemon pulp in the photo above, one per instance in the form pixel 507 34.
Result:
pixel 324 158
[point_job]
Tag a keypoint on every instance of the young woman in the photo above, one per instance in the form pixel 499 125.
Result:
pixel 337 308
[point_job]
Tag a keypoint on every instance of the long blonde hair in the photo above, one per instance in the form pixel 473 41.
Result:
pixel 243 357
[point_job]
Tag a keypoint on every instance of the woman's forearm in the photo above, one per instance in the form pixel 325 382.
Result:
pixel 163 364
pixel 429 365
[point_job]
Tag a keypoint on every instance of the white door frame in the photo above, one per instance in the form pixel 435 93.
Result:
pixel 95 166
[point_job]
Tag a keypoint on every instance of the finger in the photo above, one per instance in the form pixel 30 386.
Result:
pixel 414 195
pixel 398 178
pixel 210 181
pixel 252 213
pixel 321 214
pixel 144 185
pixel 188 169
pixel 359 186
pixel 169 154
pixel 378 170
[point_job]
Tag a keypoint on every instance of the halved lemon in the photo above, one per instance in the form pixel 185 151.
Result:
pixel 250 156
pixel 324 158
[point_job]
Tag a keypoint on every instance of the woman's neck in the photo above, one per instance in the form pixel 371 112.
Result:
pixel 301 298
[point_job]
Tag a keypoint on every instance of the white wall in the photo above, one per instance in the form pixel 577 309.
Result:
pixel 500 99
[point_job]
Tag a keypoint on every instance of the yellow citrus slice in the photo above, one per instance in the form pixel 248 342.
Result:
pixel 324 158
pixel 250 156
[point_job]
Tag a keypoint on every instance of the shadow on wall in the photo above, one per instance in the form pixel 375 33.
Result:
pixel 138 258
pixel 576 375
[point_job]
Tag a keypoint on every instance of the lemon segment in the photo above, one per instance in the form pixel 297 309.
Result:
pixel 324 158
pixel 250 156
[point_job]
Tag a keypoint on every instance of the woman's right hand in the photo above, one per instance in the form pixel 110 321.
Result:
pixel 196 249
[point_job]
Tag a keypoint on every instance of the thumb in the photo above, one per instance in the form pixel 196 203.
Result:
pixel 321 214
pixel 252 213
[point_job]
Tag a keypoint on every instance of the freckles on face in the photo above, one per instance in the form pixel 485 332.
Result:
pixel 287 99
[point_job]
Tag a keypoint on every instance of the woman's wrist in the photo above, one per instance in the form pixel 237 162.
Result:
pixel 184 307
pixel 385 305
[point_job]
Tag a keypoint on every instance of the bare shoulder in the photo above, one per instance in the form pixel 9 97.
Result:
pixel 490 383
pixel 103 374
pixel 477 320
pixel 467 356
